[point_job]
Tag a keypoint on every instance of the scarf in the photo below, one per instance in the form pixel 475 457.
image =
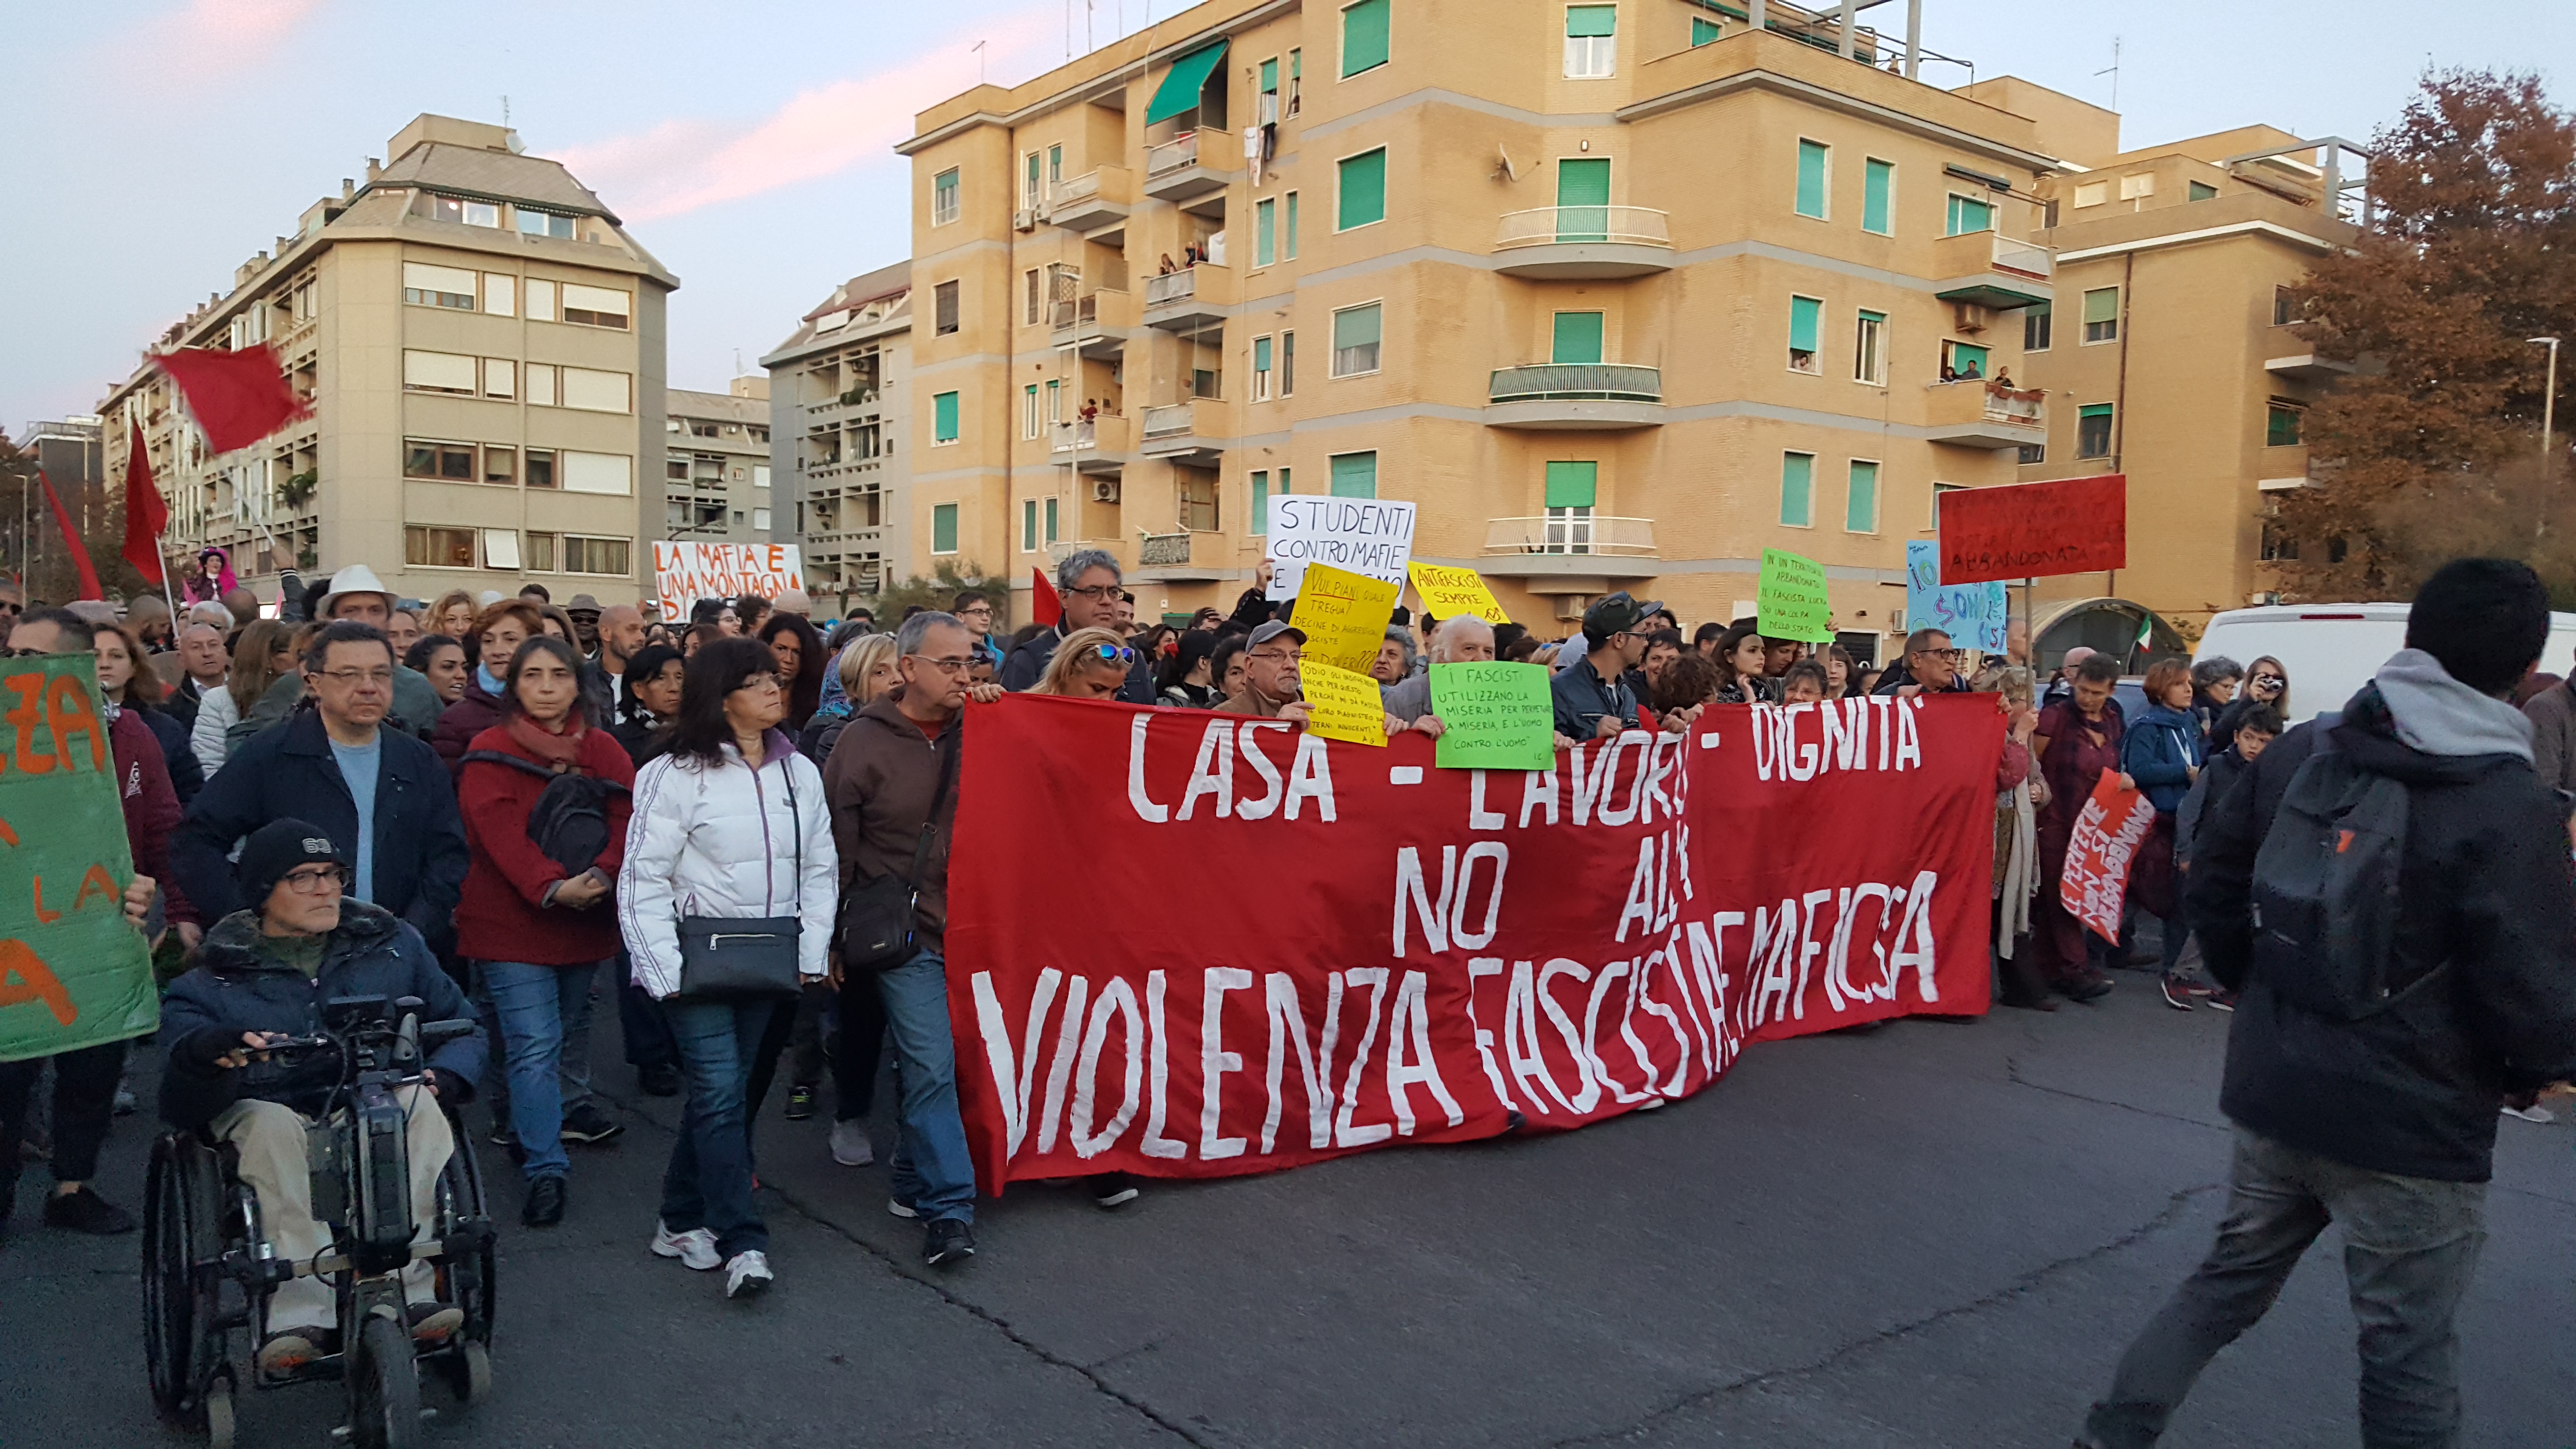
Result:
pixel 490 682
pixel 835 701
pixel 563 751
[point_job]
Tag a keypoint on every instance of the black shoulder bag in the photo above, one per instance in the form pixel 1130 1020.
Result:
pixel 877 914
pixel 736 958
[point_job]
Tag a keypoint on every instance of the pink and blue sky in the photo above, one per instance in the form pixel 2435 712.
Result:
pixel 149 146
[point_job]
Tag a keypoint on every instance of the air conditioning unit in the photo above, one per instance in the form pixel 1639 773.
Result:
pixel 1104 490
pixel 1024 219
pixel 1971 317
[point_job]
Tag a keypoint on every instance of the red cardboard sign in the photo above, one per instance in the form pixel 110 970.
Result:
pixel 2029 530
pixel 2098 857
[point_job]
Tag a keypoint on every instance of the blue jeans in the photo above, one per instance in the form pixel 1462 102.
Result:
pixel 572 1069
pixel 932 1171
pixel 708 1184
pixel 541 1008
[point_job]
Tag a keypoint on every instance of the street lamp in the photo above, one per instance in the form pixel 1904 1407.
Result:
pixel 2548 425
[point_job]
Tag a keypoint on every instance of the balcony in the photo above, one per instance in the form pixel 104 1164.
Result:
pixel 1988 269
pixel 1189 432
pixel 1093 200
pixel 1175 173
pixel 1563 551
pixel 1576 242
pixel 1097 325
pixel 1987 415
pixel 1192 300
pixel 1576 396
pixel 2308 367
pixel 1174 558
pixel 1098 445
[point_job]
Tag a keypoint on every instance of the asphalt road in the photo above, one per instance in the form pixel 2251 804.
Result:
pixel 1928 1234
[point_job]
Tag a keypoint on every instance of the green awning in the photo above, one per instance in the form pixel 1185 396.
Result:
pixel 1183 82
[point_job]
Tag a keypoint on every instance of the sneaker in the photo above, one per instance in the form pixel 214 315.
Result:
pixel 125 1104
pixel 2177 993
pixel 947 1241
pixel 1117 1189
pixel 748 1272
pixel 544 1207
pixel 661 1081
pixel 696 1248
pixel 2222 999
pixel 900 1208
pixel 433 1322
pixel 800 1104
pixel 590 1126
pixel 850 1144
pixel 84 1211
pixel 502 1136
pixel 290 1349
pixel 2533 1113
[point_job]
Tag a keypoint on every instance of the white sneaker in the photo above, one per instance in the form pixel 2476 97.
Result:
pixel 900 1208
pixel 748 1273
pixel 850 1144
pixel 2532 1113
pixel 695 1248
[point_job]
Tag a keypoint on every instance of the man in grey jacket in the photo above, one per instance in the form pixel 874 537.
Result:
pixel 2552 713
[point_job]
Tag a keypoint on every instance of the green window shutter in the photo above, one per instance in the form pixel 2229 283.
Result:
pixel 2102 304
pixel 1573 485
pixel 1183 82
pixel 1265 245
pixel 1703 31
pixel 2201 191
pixel 2094 410
pixel 1968 214
pixel 1363 36
pixel 1357 327
pixel 943 528
pixel 1291 238
pixel 1270 74
pixel 1860 507
pixel 1578 337
pixel 1261 354
pixel 1355 475
pixel 1878 188
pixel 943 418
pixel 1583 182
pixel 1260 504
pixel 1806 315
pixel 1797 487
pixel 1284 481
pixel 1028 525
pixel 2281 427
pixel 1363 188
pixel 1811 178
pixel 1586 21
pixel 1050 520
pixel 1297 63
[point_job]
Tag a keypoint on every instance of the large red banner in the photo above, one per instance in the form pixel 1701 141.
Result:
pixel 1189 944
pixel 2029 530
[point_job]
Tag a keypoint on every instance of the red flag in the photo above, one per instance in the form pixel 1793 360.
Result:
pixel 145 514
pixel 89 588
pixel 237 397
pixel 1045 605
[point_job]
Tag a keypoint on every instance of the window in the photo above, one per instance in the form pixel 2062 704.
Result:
pixel 1355 340
pixel 1813 159
pixel 544 223
pixel 943 307
pixel 1591 47
pixel 1028 525
pixel 1287 377
pixel 438 548
pixel 458 209
pixel 500 465
pixel 1296 80
pixel 1033 305
pixel 1806 315
pixel 1797 489
pixel 943 418
pixel 1363 36
pixel 1869 348
pixel 1860 504
pixel 1055 401
pixel 1969 213
pixel 1055 169
pixel 2035 320
pixel 1029 180
pixel 943 528
pixel 2200 191
pixel 451 461
pixel 1197 500
pixel 540 548
pixel 1288 233
pixel 500 377
pixel 676 468
pixel 428 286
pixel 1703 31
pixel 1265 232
pixel 2285 306
pixel 438 372
pixel 1354 475
pixel 1965 360
pixel 2092 193
pixel 2032 453
pixel 2282 424
pixel 1284 489
pixel 698 427
pixel 760 519
pixel 595 306
pixel 597 392
pixel 612 473
pixel 1029 419
pixel 541 467
pixel 2102 314
pixel 1363 188
pixel 2093 431
pixel 1573 485
pixel 943 197
pixel 1933 523
pixel 1269 92
pixel 1259 523
pixel 541 300
pixel 541 384
pixel 1878 196
pixel 1050 520
pixel 500 294
pixel 500 548
pixel 1261 375
pixel 2137 184
pixel 596 555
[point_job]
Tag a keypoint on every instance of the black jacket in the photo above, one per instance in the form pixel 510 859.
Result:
pixel 187 776
pixel 287 772
pixel 2485 962
pixel 1027 665
pixel 233 989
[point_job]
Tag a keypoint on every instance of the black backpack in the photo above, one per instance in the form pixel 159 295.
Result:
pixel 2325 889
pixel 569 822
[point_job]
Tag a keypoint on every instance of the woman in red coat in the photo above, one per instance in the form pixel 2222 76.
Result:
pixel 538 929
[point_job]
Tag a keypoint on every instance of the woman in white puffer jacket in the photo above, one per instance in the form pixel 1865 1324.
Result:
pixel 714 836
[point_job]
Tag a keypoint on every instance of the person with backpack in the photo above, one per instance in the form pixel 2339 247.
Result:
pixel 2414 971
pixel 546 801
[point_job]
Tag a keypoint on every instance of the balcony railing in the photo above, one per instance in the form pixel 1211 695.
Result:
pixel 1567 533
pixel 2026 406
pixel 1577 381
pixel 1165 550
pixel 1168 422
pixel 1172 287
pixel 1074 189
pixel 1075 436
pixel 1554 225
pixel 2028 258
pixel 1173 155
pixel 1075 311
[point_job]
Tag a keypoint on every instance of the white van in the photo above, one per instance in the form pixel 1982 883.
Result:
pixel 2331 650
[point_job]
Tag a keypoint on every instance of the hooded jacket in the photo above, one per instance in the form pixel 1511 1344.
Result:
pixel 2484 960
pixel 235 988
pixel 723 840
pixel 2160 752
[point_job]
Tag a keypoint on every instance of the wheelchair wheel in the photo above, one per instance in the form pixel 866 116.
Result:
pixel 183 1345
pixel 219 1413
pixel 468 1280
pixel 384 1387
pixel 469 1372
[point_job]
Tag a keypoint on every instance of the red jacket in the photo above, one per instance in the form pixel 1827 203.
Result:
pixel 502 916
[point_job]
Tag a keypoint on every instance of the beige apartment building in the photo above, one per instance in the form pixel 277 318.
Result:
pixel 716 472
pixel 482 345
pixel 839 407
pixel 1621 294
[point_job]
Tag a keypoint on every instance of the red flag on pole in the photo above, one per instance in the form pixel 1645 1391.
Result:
pixel 89 588
pixel 145 514
pixel 238 398
pixel 1045 605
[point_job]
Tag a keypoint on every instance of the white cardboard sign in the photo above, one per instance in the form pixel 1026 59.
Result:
pixel 686 571
pixel 1372 536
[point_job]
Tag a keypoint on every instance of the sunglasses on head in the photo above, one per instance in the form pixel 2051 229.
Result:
pixel 1114 653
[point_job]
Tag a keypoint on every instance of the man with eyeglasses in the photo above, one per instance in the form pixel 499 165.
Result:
pixel 381 795
pixel 1930 666
pixel 1271 688
pixel 1093 599
pixel 976 612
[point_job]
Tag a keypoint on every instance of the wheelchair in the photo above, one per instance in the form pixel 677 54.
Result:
pixel 208 1272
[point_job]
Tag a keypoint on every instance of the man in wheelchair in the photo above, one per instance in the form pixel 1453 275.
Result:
pixel 263 975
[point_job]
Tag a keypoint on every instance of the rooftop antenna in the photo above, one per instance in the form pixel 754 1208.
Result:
pixel 737 362
pixel 505 113
pixel 2114 72
pixel 979 62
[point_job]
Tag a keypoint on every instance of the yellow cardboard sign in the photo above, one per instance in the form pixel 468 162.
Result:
pixel 1343 616
pixel 1346 703
pixel 1449 592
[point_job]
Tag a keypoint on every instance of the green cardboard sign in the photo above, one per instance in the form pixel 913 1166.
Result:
pixel 1789 598
pixel 1494 716
pixel 72 972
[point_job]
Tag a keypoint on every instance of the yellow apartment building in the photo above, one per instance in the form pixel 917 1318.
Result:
pixel 1620 293
pixel 482 345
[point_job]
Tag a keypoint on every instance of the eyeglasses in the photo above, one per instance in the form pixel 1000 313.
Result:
pixel 1114 653
pixel 351 678
pixel 1280 656
pixel 952 664
pixel 1097 592
pixel 1951 655
pixel 986 610
pixel 315 880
